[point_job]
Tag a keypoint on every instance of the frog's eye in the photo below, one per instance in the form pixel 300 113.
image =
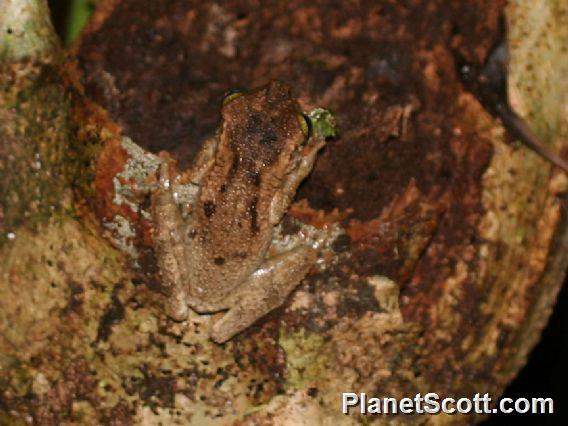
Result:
pixel 305 125
pixel 231 96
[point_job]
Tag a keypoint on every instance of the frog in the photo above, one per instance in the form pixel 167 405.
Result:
pixel 220 256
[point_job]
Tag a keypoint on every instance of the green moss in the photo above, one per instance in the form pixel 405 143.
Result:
pixel 305 360
pixel 323 123
pixel 34 127
pixel 81 162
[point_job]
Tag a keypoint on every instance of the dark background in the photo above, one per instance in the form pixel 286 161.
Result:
pixel 547 369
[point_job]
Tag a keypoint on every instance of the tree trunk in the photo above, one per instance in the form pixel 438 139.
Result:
pixel 449 237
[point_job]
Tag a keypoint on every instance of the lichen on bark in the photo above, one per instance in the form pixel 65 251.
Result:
pixel 454 243
pixel 34 125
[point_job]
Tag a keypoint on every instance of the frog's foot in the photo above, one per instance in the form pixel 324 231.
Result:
pixel 264 291
pixel 176 307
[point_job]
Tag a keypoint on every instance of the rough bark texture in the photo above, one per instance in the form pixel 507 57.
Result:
pixel 454 237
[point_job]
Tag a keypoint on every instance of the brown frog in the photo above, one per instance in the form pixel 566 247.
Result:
pixel 221 255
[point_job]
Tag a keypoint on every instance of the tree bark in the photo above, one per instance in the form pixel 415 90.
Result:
pixel 453 237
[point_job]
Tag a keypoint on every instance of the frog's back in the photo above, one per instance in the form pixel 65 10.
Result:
pixel 259 140
pixel 230 239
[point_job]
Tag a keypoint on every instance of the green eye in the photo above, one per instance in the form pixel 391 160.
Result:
pixel 305 125
pixel 231 96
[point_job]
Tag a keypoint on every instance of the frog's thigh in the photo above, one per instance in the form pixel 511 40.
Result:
pixel 169 249
pixel 264 291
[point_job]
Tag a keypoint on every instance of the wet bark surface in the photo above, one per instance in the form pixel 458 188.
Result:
pixel 405 172
pixel 450 256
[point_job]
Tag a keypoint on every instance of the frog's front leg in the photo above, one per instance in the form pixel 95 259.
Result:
pixel 203 161
pixel 284 197
pixel 264 291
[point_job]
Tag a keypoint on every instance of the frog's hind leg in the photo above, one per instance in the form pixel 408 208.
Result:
pixel 264 291
pixel 169 247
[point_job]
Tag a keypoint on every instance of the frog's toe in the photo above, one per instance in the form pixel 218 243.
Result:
pixel 220 334
pixel 177 310
pixel 230 325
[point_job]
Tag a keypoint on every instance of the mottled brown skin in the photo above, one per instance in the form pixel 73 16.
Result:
pixel 217 258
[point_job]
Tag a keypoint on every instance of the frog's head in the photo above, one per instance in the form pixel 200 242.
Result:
pixel 264 129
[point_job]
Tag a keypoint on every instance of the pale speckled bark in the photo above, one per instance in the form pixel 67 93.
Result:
pixel 81 338
pixel 26 31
